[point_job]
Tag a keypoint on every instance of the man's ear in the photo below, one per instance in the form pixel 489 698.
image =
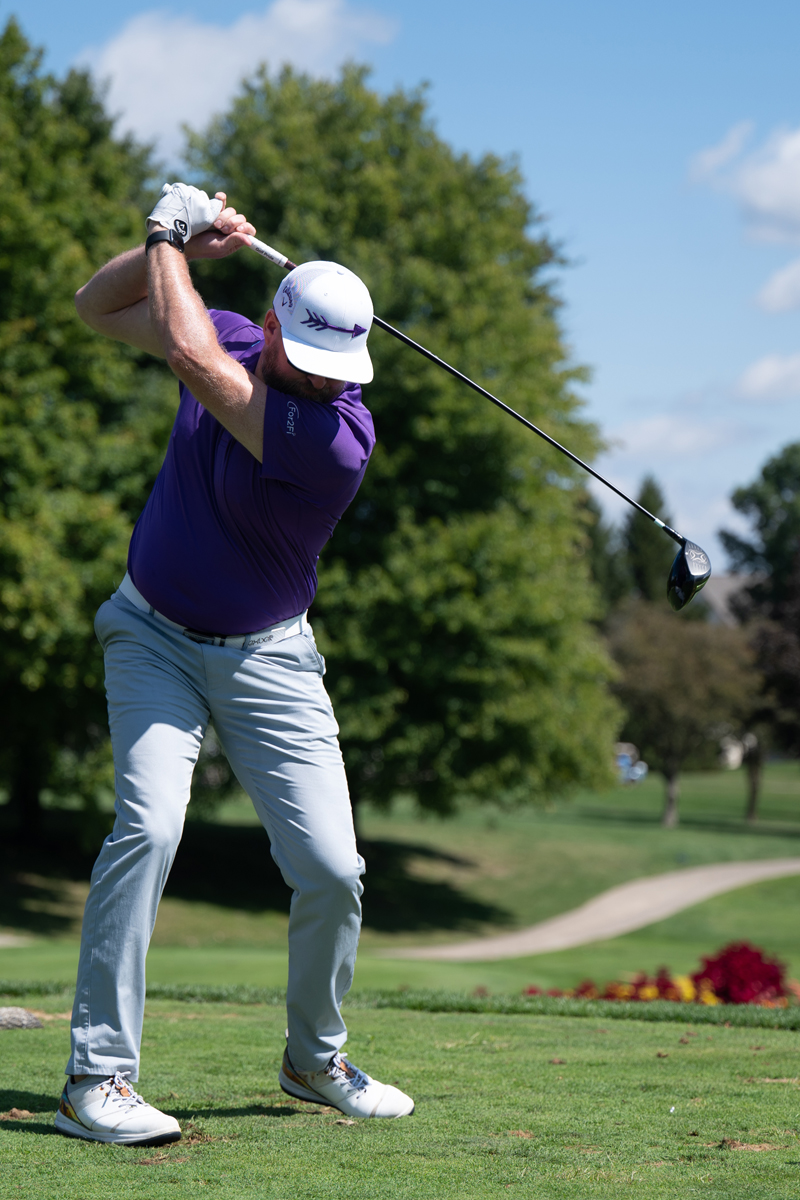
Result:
pixel 272 326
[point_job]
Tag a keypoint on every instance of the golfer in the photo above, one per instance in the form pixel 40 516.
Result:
pixel 269 446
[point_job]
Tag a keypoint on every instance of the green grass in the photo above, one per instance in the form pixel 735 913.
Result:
pixel 495 1114
pixel 540 1106
pixel 434 881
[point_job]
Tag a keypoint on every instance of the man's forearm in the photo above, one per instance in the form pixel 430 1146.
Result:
pixel 179 321
pixel 116 286
pixel 177 314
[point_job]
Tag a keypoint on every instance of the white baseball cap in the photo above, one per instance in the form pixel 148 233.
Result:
pixel 325 313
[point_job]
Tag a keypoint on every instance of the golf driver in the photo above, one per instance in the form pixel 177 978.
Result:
pixel 692 567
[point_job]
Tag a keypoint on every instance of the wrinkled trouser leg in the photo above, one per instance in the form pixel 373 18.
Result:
pixel 157 719
pixel 276 723
pixel 278 730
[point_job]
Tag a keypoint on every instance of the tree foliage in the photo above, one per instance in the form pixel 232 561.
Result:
pixel 455 604
pixel 82 423
pixel 632 560
pixel 771 602
pixel 607 558
pixel 684 684
pixel 649 552
pixel 772 505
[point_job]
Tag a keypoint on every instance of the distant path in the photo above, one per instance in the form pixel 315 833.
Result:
pixel 619 910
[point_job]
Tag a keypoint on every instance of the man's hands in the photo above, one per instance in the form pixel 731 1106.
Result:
pixel 213 229
pixel 230 231
pixel 183 208
pixel 115 301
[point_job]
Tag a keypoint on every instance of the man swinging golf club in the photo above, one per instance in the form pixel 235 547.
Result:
pixel 269 446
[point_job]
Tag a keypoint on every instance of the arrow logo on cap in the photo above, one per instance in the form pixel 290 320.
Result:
pixel 315 321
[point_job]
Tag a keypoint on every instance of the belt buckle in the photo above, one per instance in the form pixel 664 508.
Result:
pixel 203 639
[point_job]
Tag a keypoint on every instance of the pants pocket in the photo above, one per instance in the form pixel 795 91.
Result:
pixel 309 638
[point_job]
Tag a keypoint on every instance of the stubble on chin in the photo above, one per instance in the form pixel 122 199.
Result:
pixel 274 375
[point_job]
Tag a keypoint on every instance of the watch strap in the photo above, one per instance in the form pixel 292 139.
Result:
pixel 164 235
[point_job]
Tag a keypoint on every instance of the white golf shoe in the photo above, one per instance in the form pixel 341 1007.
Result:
pixel 107 1109
pixel 343 1086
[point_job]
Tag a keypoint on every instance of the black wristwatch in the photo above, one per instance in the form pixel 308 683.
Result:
pixel 165 235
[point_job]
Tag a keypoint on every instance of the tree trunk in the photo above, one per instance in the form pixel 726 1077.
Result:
pixel 673 788
pixel 25 785
pixel 753 764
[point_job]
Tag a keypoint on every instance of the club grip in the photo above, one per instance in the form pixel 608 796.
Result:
pixel 274 256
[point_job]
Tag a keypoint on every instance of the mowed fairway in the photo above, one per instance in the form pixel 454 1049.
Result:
pixel 544 1106
pixel 428 881
pixel 530 1106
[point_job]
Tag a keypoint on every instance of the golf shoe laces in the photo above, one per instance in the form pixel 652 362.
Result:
pixel 115 1089
pixel 340 1068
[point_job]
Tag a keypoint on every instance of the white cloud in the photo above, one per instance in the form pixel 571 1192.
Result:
pixel 765 181
pixel 167 70
pixel 707 163
pixel 664 435
pixel 775 377
pixel 781 292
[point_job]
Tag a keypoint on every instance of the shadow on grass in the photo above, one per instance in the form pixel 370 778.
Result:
pixel 27 1126
pixel 705 822
pixel 231 866
pixel 245 1110
pixel 34 1102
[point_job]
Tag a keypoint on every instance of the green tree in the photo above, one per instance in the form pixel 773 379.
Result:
pixel 607 558
pixel 770 604
pixel 649 553
pixel 455 603
pixel 83 424
pixel 772 505
pixel 684 685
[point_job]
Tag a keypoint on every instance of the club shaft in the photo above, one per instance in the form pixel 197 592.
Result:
pixel 280 260
pixel 434 358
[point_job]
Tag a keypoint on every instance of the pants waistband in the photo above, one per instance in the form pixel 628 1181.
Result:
pixel 236 641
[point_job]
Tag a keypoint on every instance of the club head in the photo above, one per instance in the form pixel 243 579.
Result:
pixel 690 571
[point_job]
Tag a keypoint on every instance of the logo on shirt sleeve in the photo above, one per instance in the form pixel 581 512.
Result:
pixel 292 418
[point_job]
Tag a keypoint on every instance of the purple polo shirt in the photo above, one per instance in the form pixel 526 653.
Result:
pixel 226 544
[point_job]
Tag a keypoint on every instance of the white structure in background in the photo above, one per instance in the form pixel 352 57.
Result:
pixel 630 767
pixel 732 750
pixel 718 593
pixel 731 753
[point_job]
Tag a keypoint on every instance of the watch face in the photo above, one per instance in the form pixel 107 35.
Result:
pixel 181 227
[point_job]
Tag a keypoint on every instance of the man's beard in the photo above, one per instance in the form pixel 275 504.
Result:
pixel 274 375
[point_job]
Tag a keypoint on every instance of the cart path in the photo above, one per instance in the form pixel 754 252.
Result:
pixel 619 910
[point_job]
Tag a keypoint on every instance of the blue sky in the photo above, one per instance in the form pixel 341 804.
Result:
pixel 661 142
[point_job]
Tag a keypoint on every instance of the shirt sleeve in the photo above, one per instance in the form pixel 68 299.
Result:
pixel 314 449
pixel 239 336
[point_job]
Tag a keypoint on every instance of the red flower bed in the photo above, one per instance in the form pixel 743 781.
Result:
pixel 738 974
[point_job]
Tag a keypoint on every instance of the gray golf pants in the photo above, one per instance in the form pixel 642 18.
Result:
pixel 275 722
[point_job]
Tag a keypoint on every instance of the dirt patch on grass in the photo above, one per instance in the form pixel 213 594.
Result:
pixel 193 1136
pixel 733 1144
pixel 160 1159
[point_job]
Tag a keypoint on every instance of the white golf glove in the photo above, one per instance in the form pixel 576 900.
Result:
pixel 185 209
